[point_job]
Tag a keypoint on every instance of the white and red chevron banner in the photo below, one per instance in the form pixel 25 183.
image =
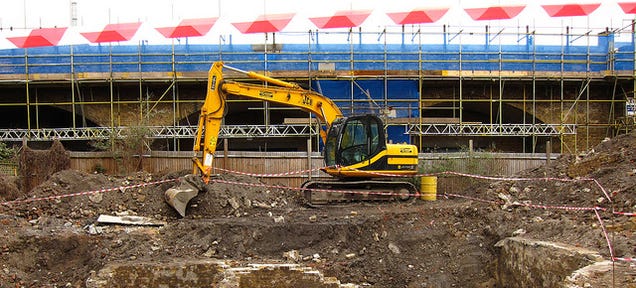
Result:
pixel 36 23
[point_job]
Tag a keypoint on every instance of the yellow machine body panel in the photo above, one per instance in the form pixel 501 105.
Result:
pixel 395 160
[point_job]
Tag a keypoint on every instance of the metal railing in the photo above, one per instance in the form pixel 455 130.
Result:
pixel 156 132
pixel 491 129
pixel 286 130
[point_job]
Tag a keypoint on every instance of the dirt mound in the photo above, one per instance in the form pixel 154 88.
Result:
pixel 35 166
pixel 557 202
pixel 139 194
pixel 610 165
pixel 416 243
pixel 9 188
pixel 237 195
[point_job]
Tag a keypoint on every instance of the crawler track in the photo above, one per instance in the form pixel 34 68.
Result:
pixel 325 192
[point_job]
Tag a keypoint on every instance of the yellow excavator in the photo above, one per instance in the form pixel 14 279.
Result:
pixel 356 154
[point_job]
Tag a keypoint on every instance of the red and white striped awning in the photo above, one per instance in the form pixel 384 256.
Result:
pixel 188 28
pixel 113 33
pixel 569 10
pixel 265 24
pixel 418 16
pixel 495 12
pixel 342 19
pixel 628 7
pixel 39 38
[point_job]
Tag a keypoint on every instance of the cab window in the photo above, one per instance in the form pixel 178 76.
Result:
pixel 354 147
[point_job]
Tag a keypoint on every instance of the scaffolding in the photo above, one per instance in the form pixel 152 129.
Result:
pixel 371 68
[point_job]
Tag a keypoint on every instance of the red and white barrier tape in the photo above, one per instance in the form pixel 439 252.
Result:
pixel 493 178
pixel 386 193
pixel 418 194
pixel 28 200
pixel 530 205
pixel 452 195
pixel 534 179
pixel 270 175
pixel 625 214
pixel 607 239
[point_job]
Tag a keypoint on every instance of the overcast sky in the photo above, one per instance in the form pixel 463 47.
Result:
pixel 93 15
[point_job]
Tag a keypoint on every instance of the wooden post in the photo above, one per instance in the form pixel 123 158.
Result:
pixel 548 151
pixel 309 159
pixel 225 152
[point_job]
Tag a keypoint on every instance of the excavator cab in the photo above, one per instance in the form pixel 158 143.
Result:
pixel 354 140
pixel 356 147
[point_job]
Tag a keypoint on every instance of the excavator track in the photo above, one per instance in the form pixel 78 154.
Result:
pixel 326 192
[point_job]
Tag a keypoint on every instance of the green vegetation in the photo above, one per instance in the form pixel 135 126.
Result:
pixel 475 163
pixel 478 163
pixel 127 149
pixel 8 160
pixel 7 153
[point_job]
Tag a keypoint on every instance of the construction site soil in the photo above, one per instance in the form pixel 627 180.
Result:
pixel 57 242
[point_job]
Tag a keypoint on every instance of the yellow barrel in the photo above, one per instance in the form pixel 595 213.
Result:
pixel 428 188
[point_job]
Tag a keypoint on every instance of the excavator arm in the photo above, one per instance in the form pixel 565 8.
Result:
pixel 286 93
pixel 213 110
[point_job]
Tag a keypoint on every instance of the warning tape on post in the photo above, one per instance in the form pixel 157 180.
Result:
pixel 83 193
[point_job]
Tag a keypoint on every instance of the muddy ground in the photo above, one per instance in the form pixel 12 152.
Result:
pixel 56 242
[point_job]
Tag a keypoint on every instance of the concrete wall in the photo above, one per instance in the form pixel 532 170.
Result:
pixel 532 263
pixel 208 273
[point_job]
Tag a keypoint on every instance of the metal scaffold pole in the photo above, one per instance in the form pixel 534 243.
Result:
pixel 420 86
pixel 111 92
pixel 26 85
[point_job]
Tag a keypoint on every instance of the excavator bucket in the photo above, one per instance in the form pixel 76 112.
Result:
pixel 180 195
